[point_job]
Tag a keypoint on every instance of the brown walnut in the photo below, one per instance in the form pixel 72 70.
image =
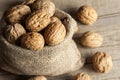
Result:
pixel 28 2
pixel 37 21
pixel 82 76
pixel 87 15
pixel 32 41
pixel 102 62
pixel 44 5
pixel 38 78
pixel 13 32
pixel 91 39
pixel 55 32
pixel 17 13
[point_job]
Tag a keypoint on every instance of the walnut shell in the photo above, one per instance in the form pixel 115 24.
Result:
pixel 76 29
pixel 28 2
pixel 91 39
pixel 87 15
pixel 44 5
pixel 82 76
pixel 55 32
pixel 32 41
pixel 37 21
pixel 17 13
pixel 38 78
pixel 13 32
pixel 102 62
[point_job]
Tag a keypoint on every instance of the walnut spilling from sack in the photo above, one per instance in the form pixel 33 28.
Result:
pixel 82 76
pixel 91 39
pixel 102 62
pixel 87 15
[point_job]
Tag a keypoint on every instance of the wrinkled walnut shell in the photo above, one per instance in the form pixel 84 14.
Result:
pixel 82 76
pixel 102 62
pixel 87 15
pixel 44 5
pixel 28 2
pixel 38 78
pixel 32 41
pixel 17 13
pixel 91 39
pixel 13 32
pixel 55 32
pixel 37 21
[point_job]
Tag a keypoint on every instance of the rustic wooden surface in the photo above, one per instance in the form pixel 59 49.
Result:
pixel 108 25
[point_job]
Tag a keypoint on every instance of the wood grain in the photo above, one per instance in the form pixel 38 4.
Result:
pixel 108 25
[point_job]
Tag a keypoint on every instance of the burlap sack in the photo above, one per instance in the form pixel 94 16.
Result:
pixel 50 61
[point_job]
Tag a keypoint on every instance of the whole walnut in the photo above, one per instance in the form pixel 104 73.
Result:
pixel 102 62
pixel 32 41
pixel 37 21
pixel 87 15
pixel 55 32
pixel 82 76
pixel 13 32
pixel 91 39
pixel 17 13
pixel 28 2
pixel 38 78
pixel 45 5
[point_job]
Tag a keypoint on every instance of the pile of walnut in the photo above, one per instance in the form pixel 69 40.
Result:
pixel 32 24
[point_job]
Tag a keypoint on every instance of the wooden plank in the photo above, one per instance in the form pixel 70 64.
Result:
pixel 109 29
pixel 103 7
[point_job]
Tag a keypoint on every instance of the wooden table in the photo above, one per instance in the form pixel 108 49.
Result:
pixel 108 25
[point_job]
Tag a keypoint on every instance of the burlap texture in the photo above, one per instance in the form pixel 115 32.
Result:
pixel 50 61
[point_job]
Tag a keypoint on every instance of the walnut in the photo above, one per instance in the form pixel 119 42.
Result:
pixel 17 13
pixel 38 78
pixel 91 39
pixel 45 5
pixel 76 29
pixel 55 32
pixel 28 2
pixel 32 41
pixel 37 21
pixel 87 15
pixel 102 62
pixel 13 32
pixel 82 76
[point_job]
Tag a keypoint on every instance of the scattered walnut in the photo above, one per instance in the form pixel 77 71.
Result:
pixel 102 62
pixel 38 78
pixel 37 21
pixel 87 15
pixel 82 76
pixel 91 39
pixel 55 32
pixel 32 41
pixel 28 2
pixel 13 32
pixel 17 13
pixel 45 5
